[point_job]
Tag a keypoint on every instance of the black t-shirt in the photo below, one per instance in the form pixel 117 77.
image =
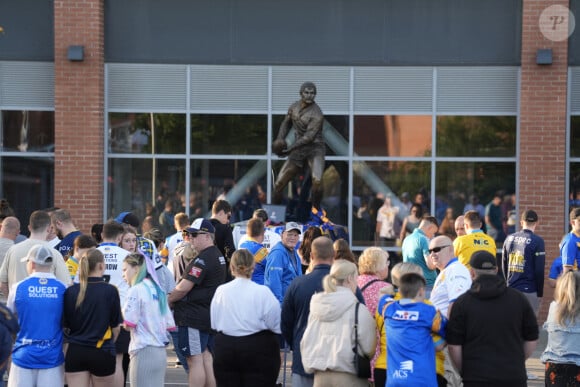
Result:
pixel 207 271
pixel 224 238
pixel 100 311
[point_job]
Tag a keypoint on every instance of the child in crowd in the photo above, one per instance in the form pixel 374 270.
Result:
pixel 409 323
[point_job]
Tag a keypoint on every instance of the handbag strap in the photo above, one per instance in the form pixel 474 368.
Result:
pixel 355 348
pixel 368 284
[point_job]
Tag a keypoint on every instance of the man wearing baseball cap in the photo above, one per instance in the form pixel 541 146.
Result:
pixel 37 358
pixel 492 329
pixel 191 301
pixel 524 258
pixel 283 263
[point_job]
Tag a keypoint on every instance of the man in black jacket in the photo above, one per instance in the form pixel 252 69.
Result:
pixel 296 306
pixel 221 211
pixel 492 329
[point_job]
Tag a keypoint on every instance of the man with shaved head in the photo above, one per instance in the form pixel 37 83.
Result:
pixel 453 280
pixel 8 233
pixel 460 226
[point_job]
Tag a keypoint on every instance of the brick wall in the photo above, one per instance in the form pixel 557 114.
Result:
pixel 79 109
pixel 543 133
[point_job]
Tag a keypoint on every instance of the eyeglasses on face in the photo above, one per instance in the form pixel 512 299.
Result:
pixel 437 249
pixel 192 234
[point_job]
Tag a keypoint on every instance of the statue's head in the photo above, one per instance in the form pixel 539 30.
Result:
pixel 307 92
pixel 308 85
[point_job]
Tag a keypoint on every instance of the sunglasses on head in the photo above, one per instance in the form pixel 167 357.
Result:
pixel 437 249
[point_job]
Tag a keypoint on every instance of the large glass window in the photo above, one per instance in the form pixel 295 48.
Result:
pixel 476 136
pixel 144 186
pixel 392 135
pixel 241 182
pixel 27 184
pixel 574 195
pixel 464 185
pixel 229 134
pixel 27 131
pixel 373 182
pixel 147 133
pixel 574 136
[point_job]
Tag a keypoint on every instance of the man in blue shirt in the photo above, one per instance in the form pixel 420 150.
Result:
pixel 570 250
pixel 37 357
pixel 255 231
pixel 524 258
pixel 415 249
pixel 283 263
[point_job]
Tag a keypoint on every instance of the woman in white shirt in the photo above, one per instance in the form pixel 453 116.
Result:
pixel 247 318
pixel 148 318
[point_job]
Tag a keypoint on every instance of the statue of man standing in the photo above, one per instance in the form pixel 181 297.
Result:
pixel 307 119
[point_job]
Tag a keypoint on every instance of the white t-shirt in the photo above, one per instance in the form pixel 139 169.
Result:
pixel 114 256
pixel 452 282
pixel 141 312
pixel 242 307
pixel 271 238
pixel 170 243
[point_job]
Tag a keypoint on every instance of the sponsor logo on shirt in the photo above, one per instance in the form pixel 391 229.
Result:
pixel 195 272
pixel 406 315
pixel 405 368
pixel 42 291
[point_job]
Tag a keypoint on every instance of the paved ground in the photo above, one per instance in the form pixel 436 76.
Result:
pixel 176 376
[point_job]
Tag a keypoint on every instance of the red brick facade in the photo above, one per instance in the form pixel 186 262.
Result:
pixel 542 153
pixel 79 110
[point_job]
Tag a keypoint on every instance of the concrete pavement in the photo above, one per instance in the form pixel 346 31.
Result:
pixel 175 375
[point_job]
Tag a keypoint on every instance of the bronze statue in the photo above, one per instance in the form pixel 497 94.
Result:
pixel 307 119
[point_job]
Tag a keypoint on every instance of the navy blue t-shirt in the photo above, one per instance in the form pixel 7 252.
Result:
pixel 91 324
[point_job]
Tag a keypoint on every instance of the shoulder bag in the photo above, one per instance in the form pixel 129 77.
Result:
pixel 362 363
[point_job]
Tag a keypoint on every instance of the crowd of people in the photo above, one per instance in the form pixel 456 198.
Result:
pixel 452 313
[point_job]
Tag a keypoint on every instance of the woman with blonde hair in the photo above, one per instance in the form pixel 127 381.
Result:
pixel 246 316
pixel 148 319
pixel 373 266
pixel 328 341
pixel 563 325
pixel 92 316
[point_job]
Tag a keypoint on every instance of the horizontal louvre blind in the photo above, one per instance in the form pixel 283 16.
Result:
pixel 147 87
pixel 575 90
pixel 477 90
pixel 229 88
pixel 332 86
pixel 27 84
pixel 393 89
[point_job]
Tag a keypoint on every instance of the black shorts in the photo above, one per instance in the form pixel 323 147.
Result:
pixel 122 343
pixel 96 361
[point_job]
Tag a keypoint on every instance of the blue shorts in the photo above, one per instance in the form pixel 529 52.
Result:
pixel 194 342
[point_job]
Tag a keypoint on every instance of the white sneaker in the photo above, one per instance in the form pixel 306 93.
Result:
pixel 531 376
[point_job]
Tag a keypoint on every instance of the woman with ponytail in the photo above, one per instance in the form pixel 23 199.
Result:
pixel 246 316
pixel 148 318
pixel 92 316
pixel 329 338
pixel 563 325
